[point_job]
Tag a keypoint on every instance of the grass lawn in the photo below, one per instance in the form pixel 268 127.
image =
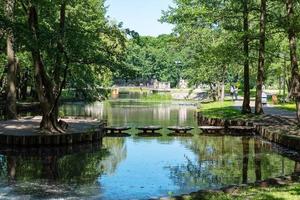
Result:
pixel 225 110
pixel 287 106
pixel 219 109
pixel 290 192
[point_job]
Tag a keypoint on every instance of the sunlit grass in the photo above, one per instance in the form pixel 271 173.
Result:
pixel 286 106
pixel 225 110
pixel 222 109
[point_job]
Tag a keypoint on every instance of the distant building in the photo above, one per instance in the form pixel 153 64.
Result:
pixel 183 84
pixel 161 85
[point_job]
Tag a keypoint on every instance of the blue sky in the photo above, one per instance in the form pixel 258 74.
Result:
pixel 140 15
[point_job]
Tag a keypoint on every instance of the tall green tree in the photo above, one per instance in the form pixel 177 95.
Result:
pixel 295 79
pixel 65 44
pixel 246 101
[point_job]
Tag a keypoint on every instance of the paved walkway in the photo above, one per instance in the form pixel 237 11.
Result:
pixel 268 109
pixel 30 126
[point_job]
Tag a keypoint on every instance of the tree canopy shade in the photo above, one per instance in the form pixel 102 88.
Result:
pixel 62 43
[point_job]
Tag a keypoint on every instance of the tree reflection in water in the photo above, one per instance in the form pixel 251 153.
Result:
pixel 229 160
pixel 57 175
pixel 257 158
pixel 117 153
pixel 245 141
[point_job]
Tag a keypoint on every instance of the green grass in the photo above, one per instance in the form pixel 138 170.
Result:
pixel 225 110
pixel 157 97
pixel 286 106
pixel 220 110
pixel 289 192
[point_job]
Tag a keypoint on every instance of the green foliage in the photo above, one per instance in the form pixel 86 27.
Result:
pixel 154 58
pixel 94 47
pixel 210 34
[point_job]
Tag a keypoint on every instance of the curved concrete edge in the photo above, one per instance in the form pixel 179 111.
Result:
pixel 51 140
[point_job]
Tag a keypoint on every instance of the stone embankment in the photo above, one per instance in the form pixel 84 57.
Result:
pixel 280 130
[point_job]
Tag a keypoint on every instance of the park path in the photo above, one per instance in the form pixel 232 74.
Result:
pixel 268 109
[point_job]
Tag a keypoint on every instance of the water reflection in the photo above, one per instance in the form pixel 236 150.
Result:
pixel 134 112
pixel 245 141
pixel 60 173
pixel 140 168
pixel 117 153
pixel 257 159
pixel 230 160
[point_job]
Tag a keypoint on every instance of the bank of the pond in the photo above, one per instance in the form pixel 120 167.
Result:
pixel 26 132
pixel 281 130
pixel 287 188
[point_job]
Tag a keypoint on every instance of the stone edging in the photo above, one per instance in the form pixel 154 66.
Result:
pixel 272 132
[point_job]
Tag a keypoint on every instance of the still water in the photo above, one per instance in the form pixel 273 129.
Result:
pixel 137 167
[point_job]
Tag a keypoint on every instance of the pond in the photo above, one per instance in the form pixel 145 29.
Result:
pixel 137 167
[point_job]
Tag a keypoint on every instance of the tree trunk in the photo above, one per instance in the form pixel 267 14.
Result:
pixel 44 86
pixel 284 81
pixel 11 167
pixel 223 83
pixel 245 142
pixel 49 169
pixel 246 102
pixel 11 99
pixel 23 85
pixel 297 167
pixel 295 87
pixel 219 90
pixel 222 90
pixel 257 159
pixel 261 59
pixel 213 92
pixel 59 56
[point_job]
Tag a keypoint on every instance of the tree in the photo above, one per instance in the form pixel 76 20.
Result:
pixel 11 109
pixel 44 85
pixel 221 21
pixel 261 59
pixel 293 54
pixel 74 48
pixel 246 102
pixel 153 58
